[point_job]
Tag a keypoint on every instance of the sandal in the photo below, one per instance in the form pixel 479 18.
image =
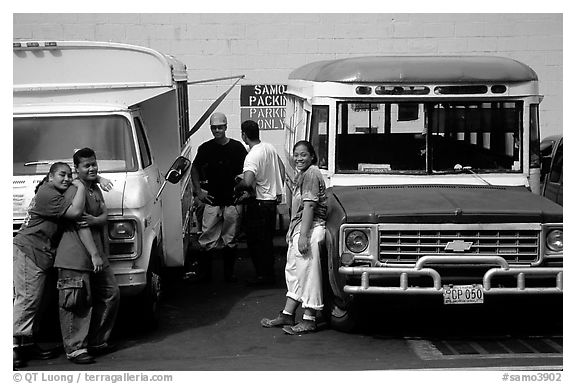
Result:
pixel 305 326
pixel 280 320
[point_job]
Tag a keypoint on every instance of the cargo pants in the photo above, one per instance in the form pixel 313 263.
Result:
pixel 89 304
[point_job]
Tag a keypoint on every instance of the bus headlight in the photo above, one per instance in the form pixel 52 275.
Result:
pixel 356 241
pixel 121 229
pixel 555 240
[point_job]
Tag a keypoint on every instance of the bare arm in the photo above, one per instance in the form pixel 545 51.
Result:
pixel 305 227
pixel 75 210
pixel 249 179
pixel 86 237
pixel 282 168
pixel 85 224
pixel 247 182
pixel 105 184
pixel 283 178
pixel 93 221
pixel 195 178
pixel 202 195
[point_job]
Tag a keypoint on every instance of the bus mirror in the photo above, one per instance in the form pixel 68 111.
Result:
pixel 178 169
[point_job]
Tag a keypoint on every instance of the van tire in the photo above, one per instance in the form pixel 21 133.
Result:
pixel 149 303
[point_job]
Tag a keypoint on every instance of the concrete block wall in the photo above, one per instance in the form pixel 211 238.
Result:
pixel 267 47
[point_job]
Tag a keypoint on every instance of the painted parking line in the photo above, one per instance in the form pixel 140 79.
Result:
pixel 454 349
pixel 498 368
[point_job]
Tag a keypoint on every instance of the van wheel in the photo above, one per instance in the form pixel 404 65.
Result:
pixel 150 300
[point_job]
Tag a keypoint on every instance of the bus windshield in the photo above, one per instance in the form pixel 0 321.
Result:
pixel 41 141
pixel 425 138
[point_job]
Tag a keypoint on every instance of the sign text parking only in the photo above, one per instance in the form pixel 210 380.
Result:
pixel 265 104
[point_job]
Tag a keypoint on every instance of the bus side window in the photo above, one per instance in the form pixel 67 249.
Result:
pixel 183 121
pixel 319 134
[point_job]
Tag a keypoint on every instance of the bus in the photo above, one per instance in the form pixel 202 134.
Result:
pixel 431 165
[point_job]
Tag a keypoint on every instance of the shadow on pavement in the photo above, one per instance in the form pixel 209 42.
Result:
pixel 187 305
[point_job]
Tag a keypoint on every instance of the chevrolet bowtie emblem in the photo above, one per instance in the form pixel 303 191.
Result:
pixel 458 246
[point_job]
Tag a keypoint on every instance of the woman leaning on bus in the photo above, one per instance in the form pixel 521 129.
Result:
pixel 305 237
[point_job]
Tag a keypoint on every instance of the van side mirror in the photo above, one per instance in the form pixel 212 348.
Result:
pixel 177 170
pixel 175 173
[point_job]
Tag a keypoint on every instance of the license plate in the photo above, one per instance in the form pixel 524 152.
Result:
pixel 463 294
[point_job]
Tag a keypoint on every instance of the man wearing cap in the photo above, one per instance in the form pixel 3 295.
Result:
pixel 217 163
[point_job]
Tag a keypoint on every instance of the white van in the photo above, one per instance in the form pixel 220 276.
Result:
pixel 130 104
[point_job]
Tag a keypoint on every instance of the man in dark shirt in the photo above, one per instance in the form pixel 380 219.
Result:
pixel 217 164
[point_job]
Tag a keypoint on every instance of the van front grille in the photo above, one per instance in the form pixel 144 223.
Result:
pixel 122 250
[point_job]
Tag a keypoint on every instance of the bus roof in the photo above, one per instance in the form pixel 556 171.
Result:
pixel 416 69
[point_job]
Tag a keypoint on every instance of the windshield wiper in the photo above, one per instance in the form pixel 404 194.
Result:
pixel 468 169
pixel 42 162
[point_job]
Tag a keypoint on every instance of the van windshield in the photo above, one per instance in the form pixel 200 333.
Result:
pixel 425 138
pixel 41 141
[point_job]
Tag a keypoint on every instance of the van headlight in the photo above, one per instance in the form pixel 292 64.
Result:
pixel 124 229
pixel 356 241
pixel 555 240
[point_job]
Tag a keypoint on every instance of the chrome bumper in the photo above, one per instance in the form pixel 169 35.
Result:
pixel 130 281
pixel 405 273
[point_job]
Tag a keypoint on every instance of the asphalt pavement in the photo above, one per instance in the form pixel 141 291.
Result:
pixel 215 326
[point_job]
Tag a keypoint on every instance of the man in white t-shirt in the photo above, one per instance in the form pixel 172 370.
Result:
pixel 264 173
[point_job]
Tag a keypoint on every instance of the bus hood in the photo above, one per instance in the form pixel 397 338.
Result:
pixel 444 204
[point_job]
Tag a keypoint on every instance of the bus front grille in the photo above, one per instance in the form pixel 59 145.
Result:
pixel 408 245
